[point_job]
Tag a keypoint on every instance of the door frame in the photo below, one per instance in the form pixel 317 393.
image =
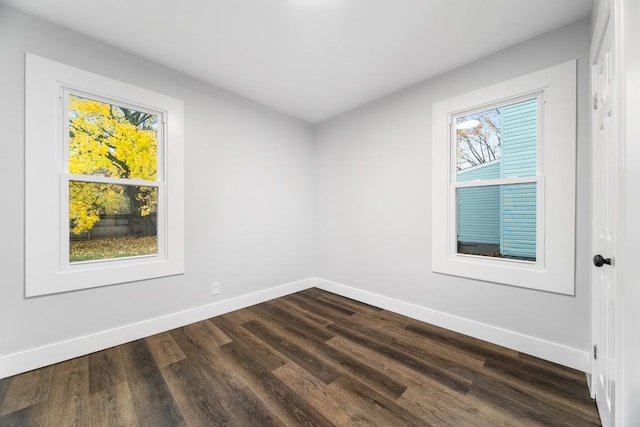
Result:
pixel 610 12
pixel 604 166
pixel 627 15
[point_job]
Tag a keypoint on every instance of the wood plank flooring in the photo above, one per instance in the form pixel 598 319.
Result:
pixel 313 359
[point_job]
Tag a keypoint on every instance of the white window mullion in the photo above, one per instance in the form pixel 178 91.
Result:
pixel 108 180
pixel 494 182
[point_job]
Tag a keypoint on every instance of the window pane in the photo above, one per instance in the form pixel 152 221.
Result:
pixel 498 143
pixel 112 141
pixel 497 221
pixel 111 221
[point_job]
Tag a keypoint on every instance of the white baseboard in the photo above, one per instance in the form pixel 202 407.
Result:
pixel 38 357
pixel 547 350
pixel 590 384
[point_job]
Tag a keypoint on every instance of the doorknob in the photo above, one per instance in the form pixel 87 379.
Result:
pixel 599 261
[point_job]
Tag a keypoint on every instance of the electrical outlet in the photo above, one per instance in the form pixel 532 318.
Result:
pixel 215 288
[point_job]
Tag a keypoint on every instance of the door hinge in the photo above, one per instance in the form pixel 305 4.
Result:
pixel 595 101
pixel 595 351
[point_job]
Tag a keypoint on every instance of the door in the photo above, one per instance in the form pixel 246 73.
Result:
pixel 605 152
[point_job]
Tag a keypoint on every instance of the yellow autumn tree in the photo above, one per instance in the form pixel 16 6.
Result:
pixel 115 142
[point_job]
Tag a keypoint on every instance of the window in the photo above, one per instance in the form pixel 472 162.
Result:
pixel 496 180
pixel 101 205
pixel 504 182
pixel 112 179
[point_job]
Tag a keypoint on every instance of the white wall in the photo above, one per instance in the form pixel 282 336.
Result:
pixel 248 196
pixel 373 198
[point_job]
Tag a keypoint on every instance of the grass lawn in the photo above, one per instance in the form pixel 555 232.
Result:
pixel 112 247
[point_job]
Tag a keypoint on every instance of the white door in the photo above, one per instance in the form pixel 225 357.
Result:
pixel 605 152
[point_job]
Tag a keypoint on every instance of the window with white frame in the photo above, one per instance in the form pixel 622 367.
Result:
pixel 104 180
pixel 504 182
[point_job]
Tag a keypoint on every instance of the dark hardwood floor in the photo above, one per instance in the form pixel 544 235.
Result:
pixel 311 358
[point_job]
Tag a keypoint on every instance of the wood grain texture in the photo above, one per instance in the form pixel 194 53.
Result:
pixel 311 359
pixel 105 370
pixel 26 390
pixel 113 406
pixel 164 349
pixel 152 400
pixel 5 383
pixel 68 398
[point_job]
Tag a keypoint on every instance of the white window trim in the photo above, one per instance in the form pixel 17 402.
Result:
pixel 47 269
pixel 553 270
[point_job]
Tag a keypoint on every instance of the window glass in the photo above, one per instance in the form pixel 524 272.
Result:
pixel 478 140
pixel 497 144
pixel 497 221
pixel 111 221
pixel 112 141
pixel 107 219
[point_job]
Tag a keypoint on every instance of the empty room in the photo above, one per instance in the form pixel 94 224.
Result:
pixel 320 212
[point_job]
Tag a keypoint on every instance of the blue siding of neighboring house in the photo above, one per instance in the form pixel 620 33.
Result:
pixel 518 146
pixel 489 170
pixel 504 215
pixel 479 207
pixel 519 220
pixel 519 158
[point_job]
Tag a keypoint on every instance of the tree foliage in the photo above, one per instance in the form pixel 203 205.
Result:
pixel 478 144
pixel 115 142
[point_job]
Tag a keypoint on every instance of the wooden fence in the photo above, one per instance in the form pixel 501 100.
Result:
pixel 120 225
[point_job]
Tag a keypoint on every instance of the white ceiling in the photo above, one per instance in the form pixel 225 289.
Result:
pixel 312 59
